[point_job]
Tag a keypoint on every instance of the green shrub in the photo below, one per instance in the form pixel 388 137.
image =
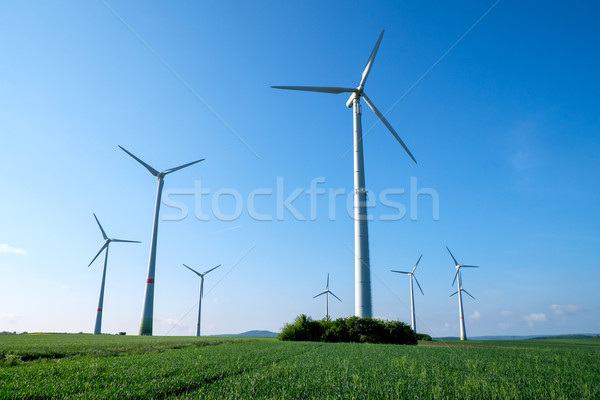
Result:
pixel 398 332
pixel 352 329
pixel 424 337
pixel 370 330
pixel 302 329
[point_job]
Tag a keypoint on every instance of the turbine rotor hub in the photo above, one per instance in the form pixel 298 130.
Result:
pixel 350 101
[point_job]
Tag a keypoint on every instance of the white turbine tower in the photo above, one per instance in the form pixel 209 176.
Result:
pixel 107 242
pixel 362 270
pixel 327 292
pixel 412 276
pixel 148 308
pixel 201 275
pixel 463 332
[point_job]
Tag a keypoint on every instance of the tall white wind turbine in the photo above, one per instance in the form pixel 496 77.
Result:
pixel 412 276
pixel 362 270
pixel 327 292
pixel 201 275
pixel 107 242
pixel 457 276
pixel 148 307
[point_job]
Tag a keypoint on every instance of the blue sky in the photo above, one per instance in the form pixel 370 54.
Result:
pixel 505 128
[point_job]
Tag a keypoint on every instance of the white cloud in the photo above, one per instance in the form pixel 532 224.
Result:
pixel 476 316
pixel 9 317
pixel 567 309
pixel 506 313
pixel 535 317
pixel 6 249
pixel 539 317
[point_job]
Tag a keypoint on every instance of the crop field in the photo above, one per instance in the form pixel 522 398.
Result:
pixel 86 366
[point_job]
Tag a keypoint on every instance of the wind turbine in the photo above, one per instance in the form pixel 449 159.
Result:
pixel 107 242
pixel 412 276
pixel 148 308
pixel 201 275
pixel 327 292
pixel 362 269
pixel 463 333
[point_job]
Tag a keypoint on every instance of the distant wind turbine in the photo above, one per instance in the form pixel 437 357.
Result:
pixel 327 292
pixel 457 275
pixel 412 276
pixel 148 307
pixel 362 269
pixel 107 242
pixel 201 275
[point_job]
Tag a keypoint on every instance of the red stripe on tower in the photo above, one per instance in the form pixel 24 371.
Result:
pixel 99 309
pixel 150 281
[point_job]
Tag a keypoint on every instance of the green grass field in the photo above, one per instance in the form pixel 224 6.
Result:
pixel 86 366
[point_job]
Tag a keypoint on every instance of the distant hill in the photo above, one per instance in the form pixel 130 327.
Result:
pixel 576 336
pixel 530 337
pixel 266 334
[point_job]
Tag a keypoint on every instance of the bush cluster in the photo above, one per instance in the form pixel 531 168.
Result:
pixel 352 329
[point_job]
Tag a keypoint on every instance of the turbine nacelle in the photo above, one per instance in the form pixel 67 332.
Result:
pixel 327 291
pixel 350 101
pixel 355 93
pixel 463 290
pixel 159 174
pixel 458 266
pixel 107 241
pixel 201 274
pixel 411 274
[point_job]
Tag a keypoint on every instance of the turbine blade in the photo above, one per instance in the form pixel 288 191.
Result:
pixel 454 280
pixel 370 61
pixel 149 168
pixel 102 230
pixel 415 267
pixel 101 249
pixel 168 171
pixel 331 293
pixel 124 241
pixel 469 266
pixel 194 271
pixel 415 278
pixel 455 262
pixel 320 89
pixel 327 287
pixel 453 293
pixel 211 269
pixel 387 124
pixel 320 294
pixel 400 272
pixel 468 294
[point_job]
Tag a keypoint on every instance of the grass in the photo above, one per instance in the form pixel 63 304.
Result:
pixel 39 346
pixel 86 366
